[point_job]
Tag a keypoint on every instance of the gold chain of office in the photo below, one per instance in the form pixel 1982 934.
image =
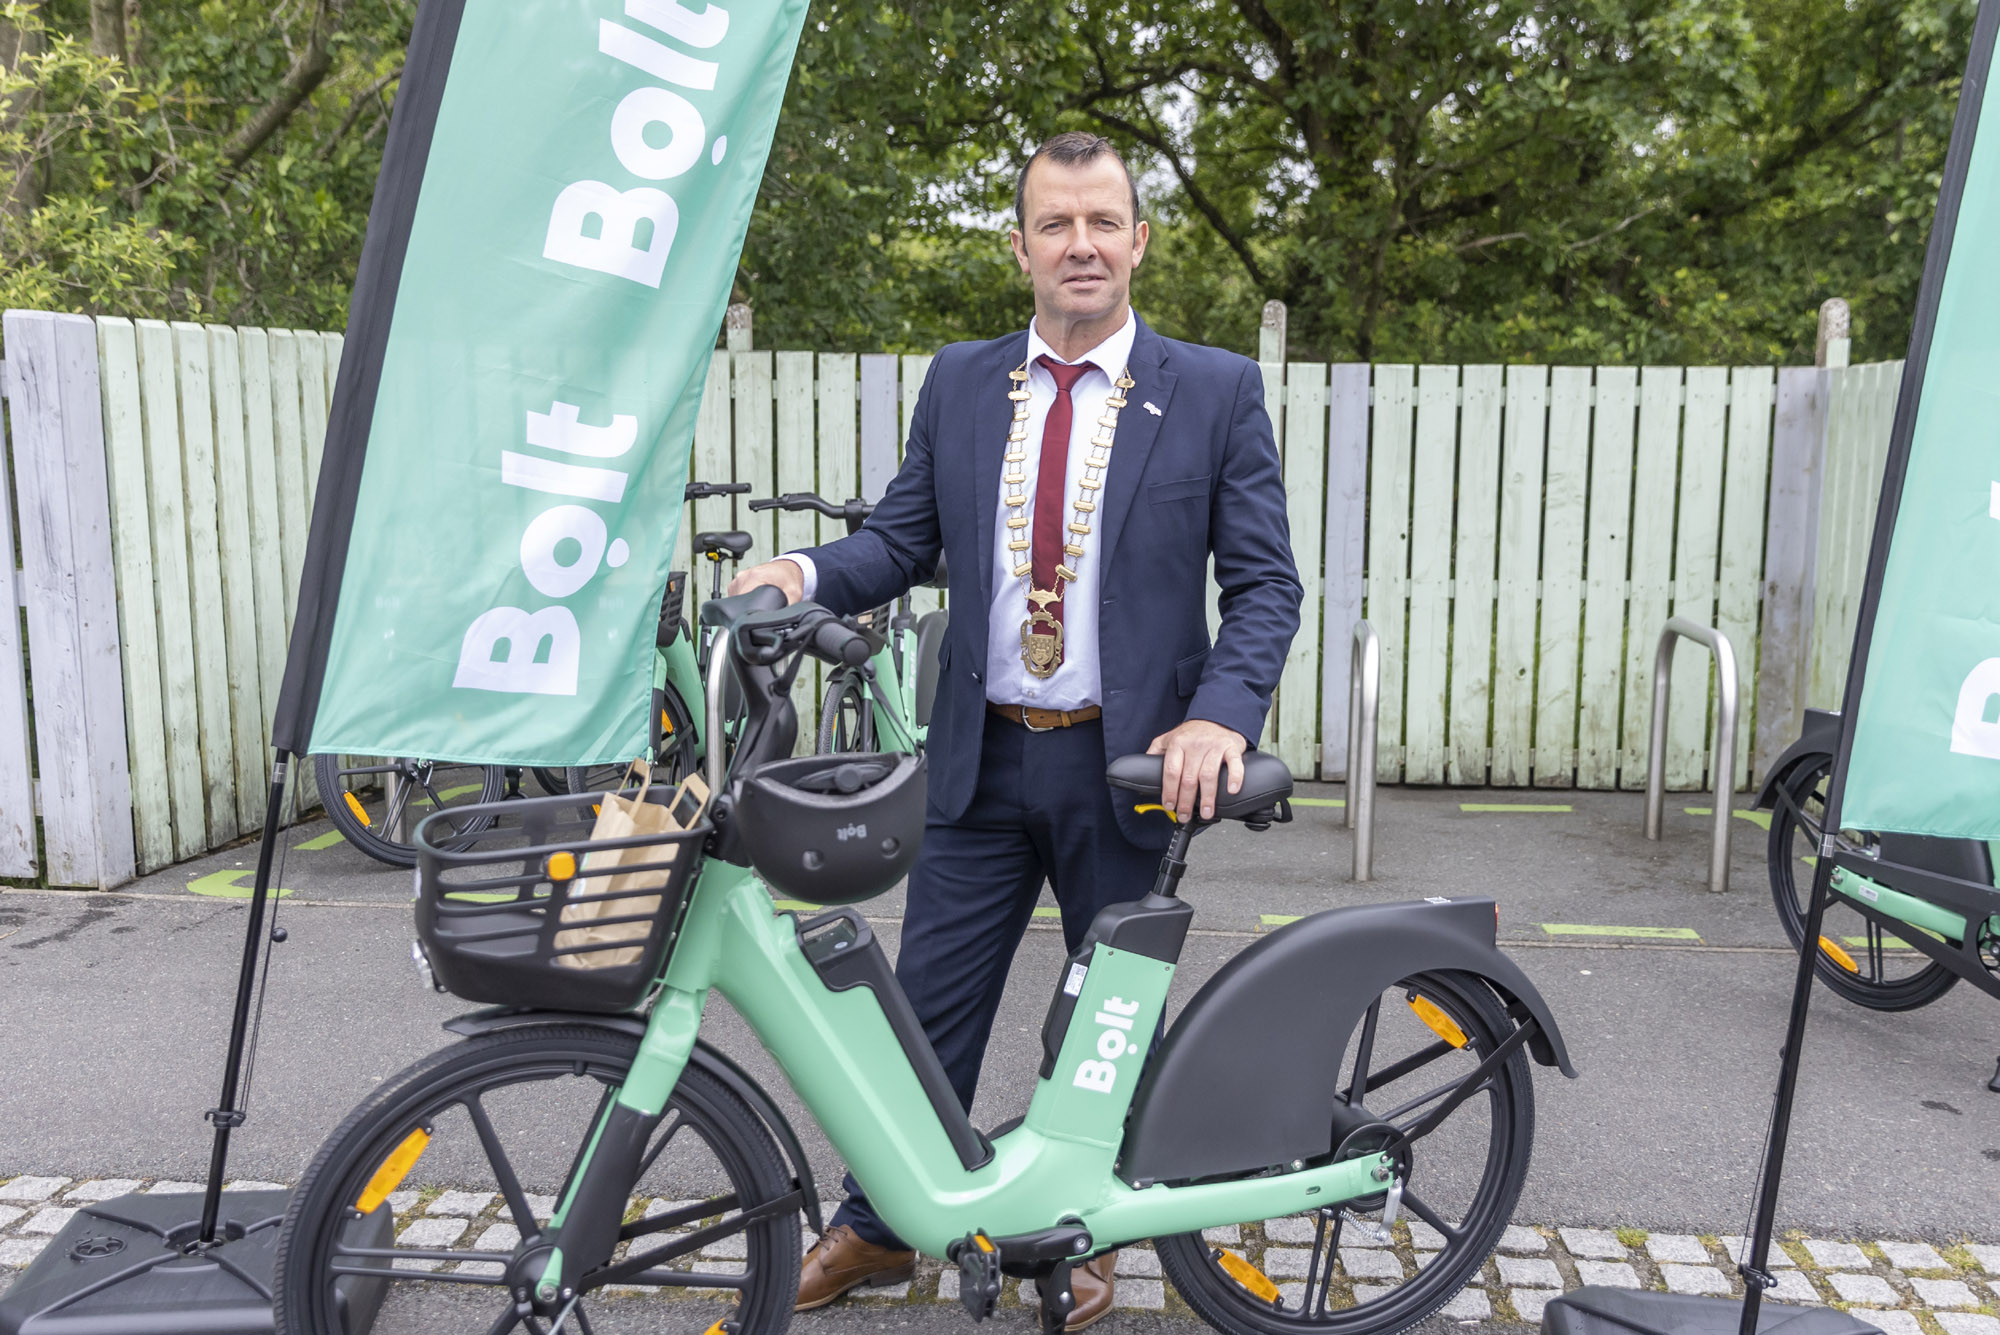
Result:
pixel 1042 632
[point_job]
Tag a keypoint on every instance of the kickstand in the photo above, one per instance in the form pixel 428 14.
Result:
pixel 1058 1301
pixel 1994 1083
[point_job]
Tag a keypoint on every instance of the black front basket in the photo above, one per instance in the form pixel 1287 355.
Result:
pixel 491 904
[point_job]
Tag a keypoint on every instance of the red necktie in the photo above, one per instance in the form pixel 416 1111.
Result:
pixel 1051 512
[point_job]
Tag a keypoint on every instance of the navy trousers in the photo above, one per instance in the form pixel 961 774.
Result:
pixel 1042 811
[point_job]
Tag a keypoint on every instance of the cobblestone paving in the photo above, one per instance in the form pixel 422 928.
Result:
pixel 1905 1287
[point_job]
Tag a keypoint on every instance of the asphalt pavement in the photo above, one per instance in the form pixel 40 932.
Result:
pixel 1672 1000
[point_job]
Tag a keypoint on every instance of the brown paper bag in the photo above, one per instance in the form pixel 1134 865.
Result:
pixel 621 818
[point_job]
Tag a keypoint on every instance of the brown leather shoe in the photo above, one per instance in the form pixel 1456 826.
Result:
pixel 1090 1284
pixel 841 1260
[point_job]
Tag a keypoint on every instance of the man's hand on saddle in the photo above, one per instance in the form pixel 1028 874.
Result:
pixel 1197 752
pixel 781 574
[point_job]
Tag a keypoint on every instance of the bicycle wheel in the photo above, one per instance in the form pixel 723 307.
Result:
pixel 1324 1270
pixel 845 721
pixel 1885 973
pixel 676 752
pixel 376 802
pixel 507 1116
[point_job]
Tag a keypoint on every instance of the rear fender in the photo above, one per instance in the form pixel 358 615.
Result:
pixel 712 1062
pixel 1239 1083
pixel 1819 737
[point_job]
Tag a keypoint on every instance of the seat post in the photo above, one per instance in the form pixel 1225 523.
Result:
pixel 1173 863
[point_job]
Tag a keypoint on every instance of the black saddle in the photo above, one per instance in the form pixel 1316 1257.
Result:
pixel 732 544
pixel 1265 781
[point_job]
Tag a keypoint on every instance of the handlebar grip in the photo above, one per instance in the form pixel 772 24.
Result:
pixel 768 503
pixel 835 642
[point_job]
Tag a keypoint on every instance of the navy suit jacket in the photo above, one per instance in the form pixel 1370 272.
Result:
pixel 1202 476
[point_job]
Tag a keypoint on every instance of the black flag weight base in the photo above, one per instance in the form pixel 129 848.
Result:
pixel 185 1264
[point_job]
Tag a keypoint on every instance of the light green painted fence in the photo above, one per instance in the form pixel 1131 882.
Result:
pixel 1517 535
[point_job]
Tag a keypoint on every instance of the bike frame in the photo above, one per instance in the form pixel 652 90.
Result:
pixel 841 1054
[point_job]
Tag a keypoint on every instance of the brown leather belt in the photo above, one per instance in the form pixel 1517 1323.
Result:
pixel 1041 720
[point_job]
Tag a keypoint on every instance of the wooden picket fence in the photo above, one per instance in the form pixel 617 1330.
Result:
pixel 1516 535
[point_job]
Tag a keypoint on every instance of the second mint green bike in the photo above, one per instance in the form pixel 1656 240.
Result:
pixel 1342 1074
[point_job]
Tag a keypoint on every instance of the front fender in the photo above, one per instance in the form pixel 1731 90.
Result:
pixel 711 1060
pixel 1247 1074
pixel 1819 737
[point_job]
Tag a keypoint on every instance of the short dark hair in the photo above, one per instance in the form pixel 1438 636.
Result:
pixel 1070 149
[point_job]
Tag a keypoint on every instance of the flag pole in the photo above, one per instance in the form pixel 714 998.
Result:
pixel 226 1117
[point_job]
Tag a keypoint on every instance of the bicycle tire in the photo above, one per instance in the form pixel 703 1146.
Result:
pixel 676 750
pixel 427 1092
pixel 1228 1305
pixel 365 829
pixel 1789 894
pixel 845 723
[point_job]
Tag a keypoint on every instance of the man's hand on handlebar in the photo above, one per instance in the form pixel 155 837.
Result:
pixel 783 575
pixel 1198 753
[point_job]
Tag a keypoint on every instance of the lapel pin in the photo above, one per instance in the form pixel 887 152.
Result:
pixel 1148 406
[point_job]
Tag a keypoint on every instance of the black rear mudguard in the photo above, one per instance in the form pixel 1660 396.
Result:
pixel 1819 737
pixel 1247 1075
pixel 1963 859
pixel 711 1060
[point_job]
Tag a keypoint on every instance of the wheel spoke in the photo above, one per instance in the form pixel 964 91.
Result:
pixel 1332 1253
pixel 506 1322
pixel 674 1124
pixel 503 1170
pixel 1416 1061
pixel 1364 1052
pixel 1403 1109
pixel 1312 1267
pixel 1876 964
pixel 1417 1206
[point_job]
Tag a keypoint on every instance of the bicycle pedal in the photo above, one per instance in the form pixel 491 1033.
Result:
pixel 978 1274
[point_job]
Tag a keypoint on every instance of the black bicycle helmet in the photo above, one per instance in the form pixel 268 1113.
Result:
pixel 833 829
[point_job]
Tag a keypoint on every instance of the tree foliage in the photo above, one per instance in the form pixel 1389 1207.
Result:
pixel 1595 180
pixel 176 159
pixel 1591 180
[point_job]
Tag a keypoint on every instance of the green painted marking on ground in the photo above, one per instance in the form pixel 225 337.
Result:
pixel 1888 942
pixel 1048 913
pixel 1650 933
pixel 1761 819
pixel 789 905
pixel 479 896
pixel 222 885
pixel 327 840
pixel 1276 919
pixel 1318 802
pixel 1525 808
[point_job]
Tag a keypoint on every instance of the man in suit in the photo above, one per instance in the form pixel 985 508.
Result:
pixel 1076 478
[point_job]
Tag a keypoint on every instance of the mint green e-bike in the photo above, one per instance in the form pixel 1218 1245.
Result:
pixel 1353 1067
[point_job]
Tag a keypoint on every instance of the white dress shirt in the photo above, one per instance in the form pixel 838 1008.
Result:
pixel 1076 682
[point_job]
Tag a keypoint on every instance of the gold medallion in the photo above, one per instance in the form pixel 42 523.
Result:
pixel 1041 649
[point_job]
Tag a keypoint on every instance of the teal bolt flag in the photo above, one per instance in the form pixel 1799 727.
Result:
pixel 1925 750
pixel 562 206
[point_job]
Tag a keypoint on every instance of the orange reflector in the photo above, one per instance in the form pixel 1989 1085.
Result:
pixel 981 1241
pixel 360 812
pixel 716 1329
pixel 1249 1276
pixel 1437 1021
pixel 393 1170
pixel 562 866
pixel 666 723
pixel 1839 956
pixel 597 808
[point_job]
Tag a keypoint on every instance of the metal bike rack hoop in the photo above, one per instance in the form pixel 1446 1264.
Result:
pixel 1723 760
pixel 1364 705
